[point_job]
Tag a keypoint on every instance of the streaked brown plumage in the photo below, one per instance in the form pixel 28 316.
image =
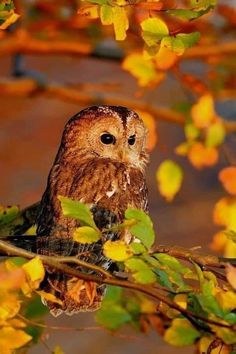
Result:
pixel 101 161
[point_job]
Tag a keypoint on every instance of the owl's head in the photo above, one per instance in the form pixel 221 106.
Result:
pixel 106 132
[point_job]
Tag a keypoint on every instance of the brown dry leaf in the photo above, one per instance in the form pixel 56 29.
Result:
pixel 91 290
pixel 227 176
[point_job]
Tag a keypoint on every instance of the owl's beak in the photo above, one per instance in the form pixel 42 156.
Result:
pixel 123 155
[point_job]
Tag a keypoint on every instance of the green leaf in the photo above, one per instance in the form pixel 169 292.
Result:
pixel 8 214
pixel 185 14
pixel 35 332
pixel 35 308
pixel 140 270
pixel 154 29
pixel 191 131
pixel 181 333
pixel 188 39
pixel 120 22
pixel 169 177
pixel 203 4
pixel 112 315
pixel 215 134
pixel 171 262
pixel 116 250
pixel 77 210
pixel 86 234
pixel 143 229
pixel 174 44
pixel 106 15
pixel 113 293
pixel 227 335
pixel 137 248
pixel 207 299
pixel 17 261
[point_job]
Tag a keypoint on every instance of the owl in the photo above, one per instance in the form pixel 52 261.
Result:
pixel 101 161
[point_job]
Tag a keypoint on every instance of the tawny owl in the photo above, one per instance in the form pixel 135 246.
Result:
pixel 101 161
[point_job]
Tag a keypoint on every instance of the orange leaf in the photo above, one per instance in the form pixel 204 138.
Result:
pixel 150 123
pixel 219 241
pixel 203 112
pixel 201 156
pixel 227 176
pixel 165 58
pixel 225 213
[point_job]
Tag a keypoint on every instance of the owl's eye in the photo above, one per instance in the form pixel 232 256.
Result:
pixel 107 138
pixel 131 140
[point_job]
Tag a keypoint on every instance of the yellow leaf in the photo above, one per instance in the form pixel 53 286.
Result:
pixel 106 15
pixel 215 134
pixel 181 333
pixel 11 338
pixel 34 272
pixel 116 250
pixel 16 323
pixel 230 249
pixel 227 176
pixel 31 231
pixel 9 21
pixel 9 305
pixel 86 234
pixel 150 124
pixel 169 177
pixel 165 58
pixel 181 300
pixel 50 297
pixel 205 342
pixel 203 112
pixel 142 69
pixel 225 213
pixel 182 149
pixel 120 22
pixel 226 299
pixel 58 350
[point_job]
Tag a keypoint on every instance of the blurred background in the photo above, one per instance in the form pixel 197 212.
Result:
pixel 32 121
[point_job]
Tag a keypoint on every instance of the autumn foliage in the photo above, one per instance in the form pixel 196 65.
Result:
pixel 187 298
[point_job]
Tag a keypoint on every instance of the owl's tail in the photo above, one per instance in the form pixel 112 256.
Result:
pixel 72 295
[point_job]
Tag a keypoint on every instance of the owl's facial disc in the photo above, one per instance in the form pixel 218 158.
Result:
pixel 119 142
pixel 108 136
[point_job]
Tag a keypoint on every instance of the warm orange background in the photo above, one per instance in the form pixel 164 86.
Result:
pixel 29 137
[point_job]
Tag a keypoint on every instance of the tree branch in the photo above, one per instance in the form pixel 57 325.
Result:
pixel 22 42
pixel 54 262
pixel 29 87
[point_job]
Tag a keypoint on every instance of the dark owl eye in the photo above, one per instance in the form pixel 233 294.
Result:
pixel 131 140
pixel 107 138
